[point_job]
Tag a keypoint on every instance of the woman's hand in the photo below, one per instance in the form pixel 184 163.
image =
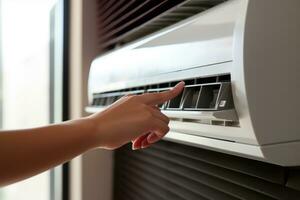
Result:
pixel 133 118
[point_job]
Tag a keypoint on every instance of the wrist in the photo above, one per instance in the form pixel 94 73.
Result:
pixel 84 128
pixel 93 128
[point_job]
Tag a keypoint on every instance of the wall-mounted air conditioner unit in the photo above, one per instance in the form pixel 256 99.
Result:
pixel 241 64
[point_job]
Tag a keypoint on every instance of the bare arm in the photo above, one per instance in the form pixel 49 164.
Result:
pixel 25 153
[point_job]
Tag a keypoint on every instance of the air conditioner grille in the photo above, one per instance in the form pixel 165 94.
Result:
pixel 199 93
pixel 210 95
pixel 122 21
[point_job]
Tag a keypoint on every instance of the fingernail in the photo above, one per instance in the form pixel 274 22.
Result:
pixel 134 147
pixel 152 138
pixel 144 144
pixel 178 84
pixel 181 83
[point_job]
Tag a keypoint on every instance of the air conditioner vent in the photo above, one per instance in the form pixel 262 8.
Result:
pixel 209 95
pixel 122 21
pixel 199 94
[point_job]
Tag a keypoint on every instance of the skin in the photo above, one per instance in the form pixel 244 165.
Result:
pixel 136 119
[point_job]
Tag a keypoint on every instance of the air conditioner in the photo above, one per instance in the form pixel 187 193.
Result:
pixel 241 64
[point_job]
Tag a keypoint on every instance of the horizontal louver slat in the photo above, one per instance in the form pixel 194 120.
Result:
pixel 124 21
pixel 195 169
pixel 211 186
pixel 257 169
pixel 168 171
pixel 106 19
pixel 177 184
pixel 160 186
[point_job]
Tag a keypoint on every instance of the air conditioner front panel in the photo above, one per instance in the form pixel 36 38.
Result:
pixel 242 133
pixel 254 42
pixel 170 50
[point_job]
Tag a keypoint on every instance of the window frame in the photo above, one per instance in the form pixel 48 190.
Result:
pixel 59 88
pixel 1 71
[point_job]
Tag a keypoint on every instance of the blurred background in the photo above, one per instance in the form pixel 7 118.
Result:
pixel 30 72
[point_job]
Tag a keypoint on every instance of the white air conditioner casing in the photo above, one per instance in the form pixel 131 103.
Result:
pixel 257 42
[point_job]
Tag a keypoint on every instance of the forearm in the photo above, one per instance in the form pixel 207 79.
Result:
pixel 24 153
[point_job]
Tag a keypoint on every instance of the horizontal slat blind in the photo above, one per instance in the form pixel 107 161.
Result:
pixel 175 171
pixel 122 21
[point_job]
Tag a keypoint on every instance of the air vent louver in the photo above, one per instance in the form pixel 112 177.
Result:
pixel 210 94
pixel 200 96
pixel 121 21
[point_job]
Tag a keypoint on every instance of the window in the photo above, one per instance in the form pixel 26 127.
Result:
pixel 26 79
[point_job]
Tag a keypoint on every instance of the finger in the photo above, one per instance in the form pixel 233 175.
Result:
pixel 124 98
pixel 145 143
pixel 159 126
pixel 128 95
pixel 161 97
pixel 137 143
pixel 159 130
pixel 159 115
pixel 155 107
pixel 152 138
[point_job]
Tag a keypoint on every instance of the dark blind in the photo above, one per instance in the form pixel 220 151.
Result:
pixel 174 171
pixel 122 21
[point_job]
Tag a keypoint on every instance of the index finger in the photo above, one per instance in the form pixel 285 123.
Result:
pixel 161 97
